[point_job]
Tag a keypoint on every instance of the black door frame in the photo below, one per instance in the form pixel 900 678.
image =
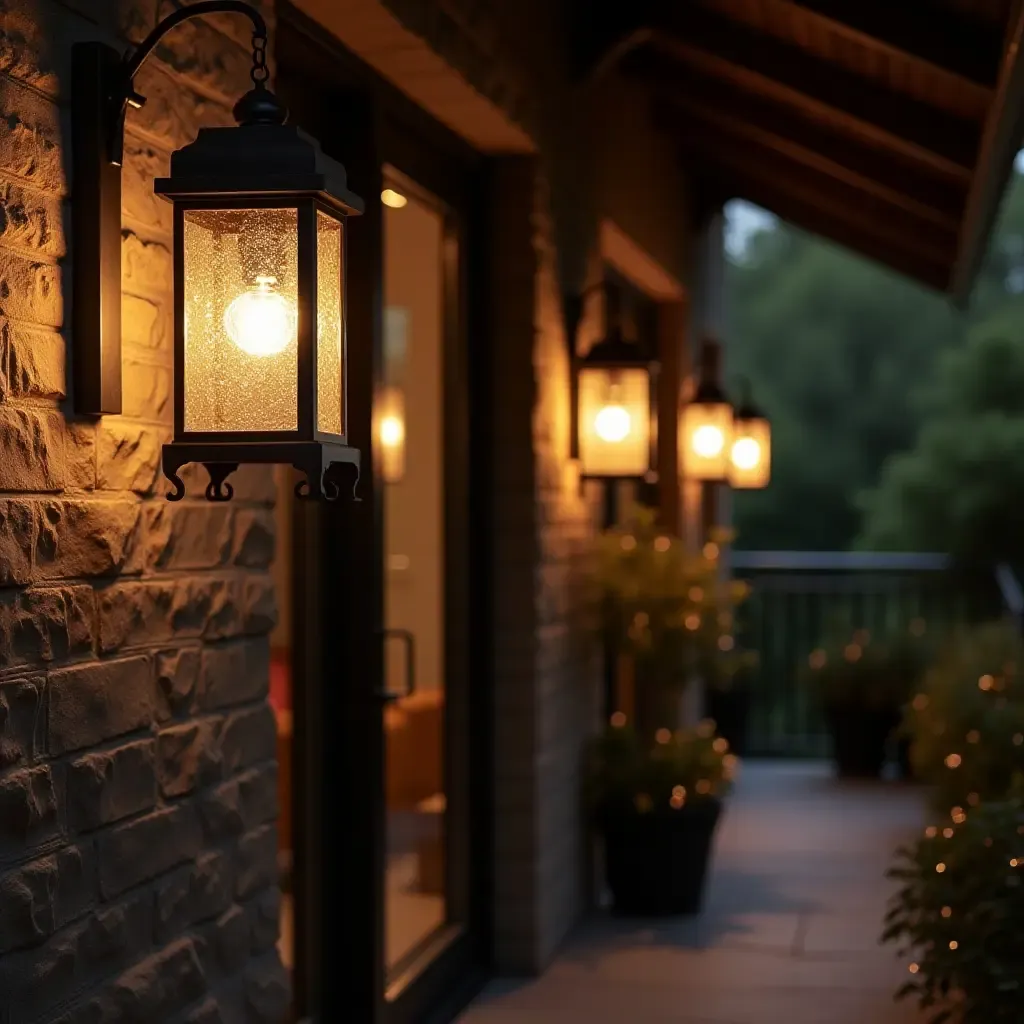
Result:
pixel 339 787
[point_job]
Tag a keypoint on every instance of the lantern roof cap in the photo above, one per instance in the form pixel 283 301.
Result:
pixel 747 409
pixel 258 158
pixel 614 351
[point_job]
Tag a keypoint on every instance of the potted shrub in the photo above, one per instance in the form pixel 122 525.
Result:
pixel 966 720
pixel 861 686
pixel 657 808
pixel 959 913
pixel 656 789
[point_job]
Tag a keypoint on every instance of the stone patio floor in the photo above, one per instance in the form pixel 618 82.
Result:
pixel 789 933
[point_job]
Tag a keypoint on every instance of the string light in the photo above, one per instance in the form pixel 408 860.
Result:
pixel 619 719
pixel 852 652
pixel 947 911
pixel 692 622
pixel 721 745
pixel 953 761
pixel 817 659
pixel 985 682
pixel 930 832
pixel 954 944
pixel 913 968
pixel 663 736
pixel 921 702
pixel 711 551
pixel 628 542
pixel 973 736
pixel 706 728
pixel 662 543
pixel 703 786
pixel 947 833
pixel 678 797
pixel 726 643
pixel 940 868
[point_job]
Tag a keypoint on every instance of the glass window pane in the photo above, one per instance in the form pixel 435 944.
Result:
pixel 409 413
pixel 329 324
pixel 241 319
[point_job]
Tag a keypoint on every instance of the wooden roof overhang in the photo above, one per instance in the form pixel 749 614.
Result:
pixel 888 126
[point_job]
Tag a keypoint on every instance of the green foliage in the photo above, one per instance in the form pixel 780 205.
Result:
pixel 960 487
pixel 841 353
pixel 960 912
pixel 668 608
pixel 856 669
pixel 627 775
pixel 967 721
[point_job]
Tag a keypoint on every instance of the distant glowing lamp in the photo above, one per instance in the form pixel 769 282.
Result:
pixel 706 425
pixel 615 410
pixel 751 453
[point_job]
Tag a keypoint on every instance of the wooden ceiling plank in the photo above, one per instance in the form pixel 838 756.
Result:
pixel 815 143
pixel 896 228
pixel 824 222
pixel 913 30
pixel 756 62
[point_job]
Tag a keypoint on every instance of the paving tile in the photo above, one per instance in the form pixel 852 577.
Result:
pixel 789 934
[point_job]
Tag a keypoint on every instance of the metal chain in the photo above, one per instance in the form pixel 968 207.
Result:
pixel 260 72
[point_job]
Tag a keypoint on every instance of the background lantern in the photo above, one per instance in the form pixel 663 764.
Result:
pixel 750 460
pixel 259 334
pixel 615 407
pixel 706 425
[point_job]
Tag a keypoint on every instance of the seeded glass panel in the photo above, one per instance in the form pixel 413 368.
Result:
pixel 329 321
pixel 615 422
pixel 241 320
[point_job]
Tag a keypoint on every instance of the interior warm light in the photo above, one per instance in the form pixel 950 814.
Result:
pixel 389 197
pixel 392 432
pixel 708 441
pixel 261 321
pixel 613 424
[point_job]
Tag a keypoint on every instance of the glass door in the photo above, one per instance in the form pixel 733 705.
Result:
pixel 418 434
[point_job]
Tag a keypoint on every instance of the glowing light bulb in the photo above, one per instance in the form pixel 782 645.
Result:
pixel 389 197
pixel 746 453
pixel 708 441
pixel 261 321
pixel 392 431
pixel 613 424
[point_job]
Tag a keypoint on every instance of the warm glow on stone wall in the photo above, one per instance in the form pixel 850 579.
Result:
pixel 241 320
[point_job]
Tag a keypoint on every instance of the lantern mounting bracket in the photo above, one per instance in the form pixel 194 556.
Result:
pixel 324 466
pixel 102 89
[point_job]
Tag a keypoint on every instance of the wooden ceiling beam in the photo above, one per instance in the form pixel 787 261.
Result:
pixel 834 226
pixel 812 143
pixel 912 30
pixel 728 51
pixel 1000 143
pixel 751 167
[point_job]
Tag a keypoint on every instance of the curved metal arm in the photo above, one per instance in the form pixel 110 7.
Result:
pixel 196 10
pixel 126 95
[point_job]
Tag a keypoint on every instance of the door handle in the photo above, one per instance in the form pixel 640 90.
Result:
pixel 409 640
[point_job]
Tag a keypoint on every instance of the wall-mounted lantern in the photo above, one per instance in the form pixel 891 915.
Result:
pixel 750 462
pixel 706 425
pixel 615 412
pixel 259 228
pixel 389 412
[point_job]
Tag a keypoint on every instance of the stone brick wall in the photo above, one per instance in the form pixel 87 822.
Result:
pixel 137 748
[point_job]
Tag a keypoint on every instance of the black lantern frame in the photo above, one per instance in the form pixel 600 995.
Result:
pixel 263 163
pixel 283 170
pixel 611 355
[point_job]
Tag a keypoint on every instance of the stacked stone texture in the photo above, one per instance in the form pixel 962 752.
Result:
pixel 137 748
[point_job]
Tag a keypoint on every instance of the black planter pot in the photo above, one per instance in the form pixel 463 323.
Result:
pixel 657 863
pixel 860 737
pixel 730 710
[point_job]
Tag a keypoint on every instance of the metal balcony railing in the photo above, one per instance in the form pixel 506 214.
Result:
pixel 801 597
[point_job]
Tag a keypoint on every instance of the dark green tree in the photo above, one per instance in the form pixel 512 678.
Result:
pixel 841 353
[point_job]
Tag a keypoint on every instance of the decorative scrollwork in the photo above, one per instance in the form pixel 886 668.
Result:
pixel 179 485
pixel 218 489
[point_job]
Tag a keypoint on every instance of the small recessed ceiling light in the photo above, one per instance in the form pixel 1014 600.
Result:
pixel 389 197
